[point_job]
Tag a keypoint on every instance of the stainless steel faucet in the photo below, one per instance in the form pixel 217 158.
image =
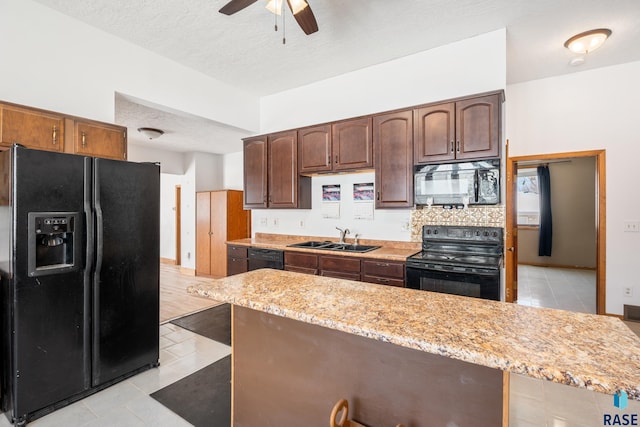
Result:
pixel 343 233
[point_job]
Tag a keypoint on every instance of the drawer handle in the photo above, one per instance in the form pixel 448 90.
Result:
pixel 382 264
pixel 383 280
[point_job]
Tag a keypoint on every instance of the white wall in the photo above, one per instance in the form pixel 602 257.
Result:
pixel 171 162
pixel 56 62
pixel 233 167
pixel 590 110
pixel 470 66
pixel 168 185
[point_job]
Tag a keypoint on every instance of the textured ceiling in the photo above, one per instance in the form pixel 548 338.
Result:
pixel 244 51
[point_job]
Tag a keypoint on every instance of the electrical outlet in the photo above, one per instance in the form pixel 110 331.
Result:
pixel 632 227
pixel 405 226
pixel 628 291
pixel 301 223
pixel 263 221
pixel 276 222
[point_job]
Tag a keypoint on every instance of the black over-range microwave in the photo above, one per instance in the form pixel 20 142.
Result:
pixel 458 184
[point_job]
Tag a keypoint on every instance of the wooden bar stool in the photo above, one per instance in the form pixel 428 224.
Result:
pixel 343 407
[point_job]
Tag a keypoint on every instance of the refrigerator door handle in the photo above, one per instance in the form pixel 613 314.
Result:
pixel 88 267
pixel 98 225
pixel 88 214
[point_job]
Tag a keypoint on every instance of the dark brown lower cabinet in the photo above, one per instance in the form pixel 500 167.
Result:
pixel 383 272
pixel 340 267
pixel 237 260
pixel 301 263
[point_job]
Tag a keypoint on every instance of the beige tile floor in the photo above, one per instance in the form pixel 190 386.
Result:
pixel 561 288
pixel 538 403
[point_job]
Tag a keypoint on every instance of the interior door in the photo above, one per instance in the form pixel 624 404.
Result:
pixel 511 232
pixel 126 283
pixel 218 233
pixel 203 233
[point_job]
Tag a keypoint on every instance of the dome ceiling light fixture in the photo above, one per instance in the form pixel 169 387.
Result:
pixel 587 41
pixel 151 133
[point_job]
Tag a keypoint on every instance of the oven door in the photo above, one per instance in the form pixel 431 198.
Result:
pixel 481 284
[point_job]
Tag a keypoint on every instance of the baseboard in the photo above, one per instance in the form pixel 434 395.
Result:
pixel 188 271
pixel 574 267
pixel 167 261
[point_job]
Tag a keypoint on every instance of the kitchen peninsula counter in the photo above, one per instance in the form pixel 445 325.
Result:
pixel 389 250
pixel 459 336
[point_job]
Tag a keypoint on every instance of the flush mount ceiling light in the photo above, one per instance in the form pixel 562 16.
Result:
pixel 588 41
pixel 151 133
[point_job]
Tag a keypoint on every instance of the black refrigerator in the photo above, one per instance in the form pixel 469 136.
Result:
pixel 79 265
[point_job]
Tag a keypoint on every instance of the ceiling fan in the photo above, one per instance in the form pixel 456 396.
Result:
pixel 299 8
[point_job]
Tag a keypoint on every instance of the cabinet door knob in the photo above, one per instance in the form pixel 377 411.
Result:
pixel 457 146
pixel 336 159
pixel 84 139
pixel 452 144
pixel 378 195
pixel 55 135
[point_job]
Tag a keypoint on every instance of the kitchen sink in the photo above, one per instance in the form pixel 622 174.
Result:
pixel 330 246
pixel 311 244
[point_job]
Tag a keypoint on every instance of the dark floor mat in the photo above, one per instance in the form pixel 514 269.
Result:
pixel 203 398
pixel 213 323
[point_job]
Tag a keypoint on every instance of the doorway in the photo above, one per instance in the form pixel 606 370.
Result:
pixel 178 227
pixel 516 234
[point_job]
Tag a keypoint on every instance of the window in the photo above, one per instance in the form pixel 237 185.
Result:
pixel 528 201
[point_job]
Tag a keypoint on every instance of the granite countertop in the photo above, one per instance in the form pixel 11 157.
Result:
pixel 389 250
pixel 583 350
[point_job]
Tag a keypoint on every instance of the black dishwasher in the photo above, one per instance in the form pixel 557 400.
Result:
pixel 265 258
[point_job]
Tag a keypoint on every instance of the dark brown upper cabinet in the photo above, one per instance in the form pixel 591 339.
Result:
pixel 393 154
pixel 283 170
pixel 271 177
pixel 255 172
pixel 468 129
pixel 340 146
pixel 352 145
pixel 314 149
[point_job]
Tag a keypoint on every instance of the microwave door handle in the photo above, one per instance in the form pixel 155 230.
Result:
pixel 476 187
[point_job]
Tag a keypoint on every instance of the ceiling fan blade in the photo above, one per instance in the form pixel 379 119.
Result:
pixel 305 19
pixel 236 6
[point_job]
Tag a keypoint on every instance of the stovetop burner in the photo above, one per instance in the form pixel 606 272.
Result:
pixel 456 246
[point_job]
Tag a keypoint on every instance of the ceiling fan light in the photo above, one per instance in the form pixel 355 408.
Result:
pixel 588 41
pixel 297 6
pixel 275 6
pixel 151 133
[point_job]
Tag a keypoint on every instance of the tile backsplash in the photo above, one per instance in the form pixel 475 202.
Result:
pixel 480 216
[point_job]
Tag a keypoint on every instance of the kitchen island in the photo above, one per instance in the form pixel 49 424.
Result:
pixel 415 350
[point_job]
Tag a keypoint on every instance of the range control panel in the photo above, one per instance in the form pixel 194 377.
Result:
pixel 463 233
